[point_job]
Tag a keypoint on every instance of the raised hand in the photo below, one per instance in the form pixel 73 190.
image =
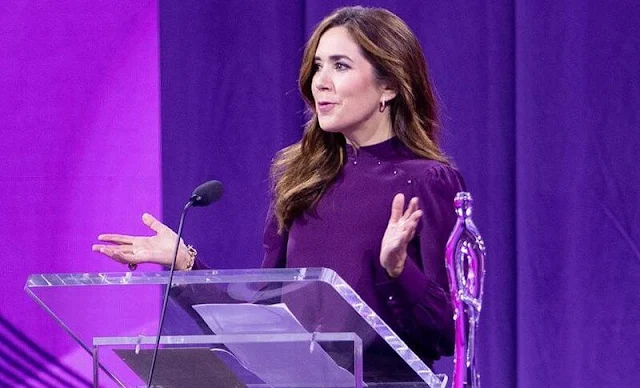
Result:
pixel 400 230
pixel 144 249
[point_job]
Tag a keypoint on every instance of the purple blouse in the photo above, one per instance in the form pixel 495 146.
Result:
pixel 345 230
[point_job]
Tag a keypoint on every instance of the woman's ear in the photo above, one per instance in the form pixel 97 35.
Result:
pixel 388 93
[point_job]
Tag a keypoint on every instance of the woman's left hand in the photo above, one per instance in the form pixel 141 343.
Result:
pixel 400 230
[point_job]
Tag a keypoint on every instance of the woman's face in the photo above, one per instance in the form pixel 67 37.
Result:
pixel 344 87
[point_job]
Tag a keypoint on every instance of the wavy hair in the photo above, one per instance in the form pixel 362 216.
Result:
pixel 302 172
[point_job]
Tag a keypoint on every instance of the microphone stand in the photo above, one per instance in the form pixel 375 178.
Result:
pixel 193 199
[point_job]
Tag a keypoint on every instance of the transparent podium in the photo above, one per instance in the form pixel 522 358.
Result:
pixel 298 328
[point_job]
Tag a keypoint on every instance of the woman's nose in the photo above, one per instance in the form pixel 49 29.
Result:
pixel 321 80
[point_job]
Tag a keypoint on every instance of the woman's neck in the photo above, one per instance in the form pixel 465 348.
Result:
pixel 370 136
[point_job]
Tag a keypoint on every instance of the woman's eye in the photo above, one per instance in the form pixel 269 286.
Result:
pixel 340 66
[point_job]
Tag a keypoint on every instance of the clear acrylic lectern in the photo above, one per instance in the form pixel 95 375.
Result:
pixel 301 327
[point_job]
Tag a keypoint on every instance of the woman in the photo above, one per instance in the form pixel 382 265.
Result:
pixel 339 193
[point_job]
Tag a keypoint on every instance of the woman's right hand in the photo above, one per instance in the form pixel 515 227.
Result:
pixel 133 250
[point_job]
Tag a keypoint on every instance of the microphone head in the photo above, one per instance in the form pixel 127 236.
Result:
pixel 206 193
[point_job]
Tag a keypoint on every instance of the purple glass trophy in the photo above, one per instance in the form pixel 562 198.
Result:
pixel 465 259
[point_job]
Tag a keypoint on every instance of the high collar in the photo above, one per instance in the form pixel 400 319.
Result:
pixel 387 149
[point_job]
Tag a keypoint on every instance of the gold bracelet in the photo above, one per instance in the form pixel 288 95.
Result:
pixel 192 257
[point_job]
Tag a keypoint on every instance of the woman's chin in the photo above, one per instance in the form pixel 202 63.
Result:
pixel 329 127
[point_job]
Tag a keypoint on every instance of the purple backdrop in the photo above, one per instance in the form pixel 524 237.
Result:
pixel 80 155
pixel 540 107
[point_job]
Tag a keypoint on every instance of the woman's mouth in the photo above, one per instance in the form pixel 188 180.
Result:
pixel 325 106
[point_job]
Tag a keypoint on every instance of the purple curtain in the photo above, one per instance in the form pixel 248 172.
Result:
pixel 79 155
pixel 540 108
pixel 540 105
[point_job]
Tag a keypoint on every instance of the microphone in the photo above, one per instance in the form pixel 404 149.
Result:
pixel 206 193
pixel 203 195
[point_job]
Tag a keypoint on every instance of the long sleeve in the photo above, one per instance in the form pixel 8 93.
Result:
pixel 419 298
pixel 275 243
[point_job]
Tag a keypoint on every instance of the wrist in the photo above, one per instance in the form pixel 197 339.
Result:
pixel 394 272
pixel 187 257
pixel 394 266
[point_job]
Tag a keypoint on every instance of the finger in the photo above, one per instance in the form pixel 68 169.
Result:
pixel 116 238
pixel 413 206
pixel 113 249
pixel 119 256
pixel 396 207
pixel 414 218
pixel 411 225
pixel 153 223
pixel 98 247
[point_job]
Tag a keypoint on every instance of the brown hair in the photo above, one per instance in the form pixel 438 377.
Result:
pixel 302 172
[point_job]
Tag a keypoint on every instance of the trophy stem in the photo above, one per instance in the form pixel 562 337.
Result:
pixel 465 259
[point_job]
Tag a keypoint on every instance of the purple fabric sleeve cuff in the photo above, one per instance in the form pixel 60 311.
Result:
pixel 409 287
pixel 199 264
